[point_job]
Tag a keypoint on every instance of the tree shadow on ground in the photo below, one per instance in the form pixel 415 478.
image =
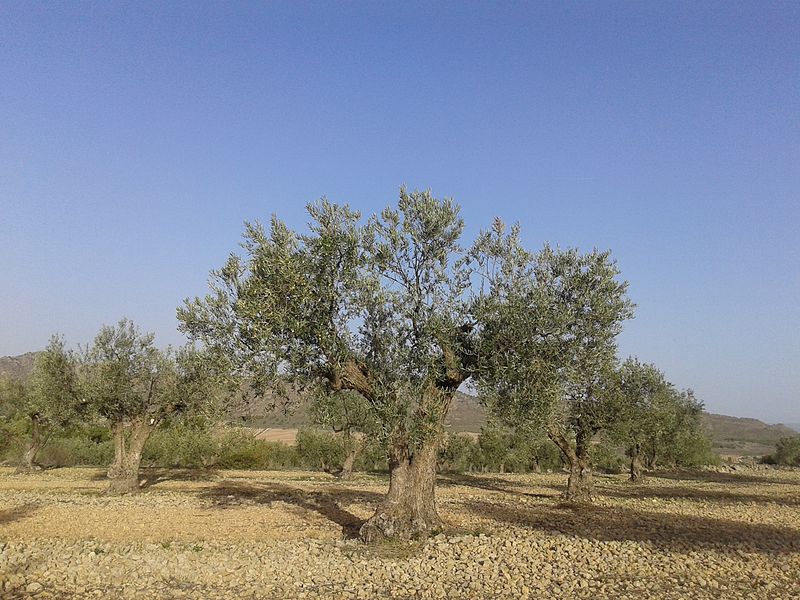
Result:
pixel 17 513
pixel 494 484
pixel 227 494
pixel 679 533
pixel 699 494
pixel 712 477
pixel 152 476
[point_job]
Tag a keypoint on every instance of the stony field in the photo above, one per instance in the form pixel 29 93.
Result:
pixel 236 534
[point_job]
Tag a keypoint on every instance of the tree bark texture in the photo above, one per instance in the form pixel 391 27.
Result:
pixel 409 509
pixel 123 474
pixel 580 485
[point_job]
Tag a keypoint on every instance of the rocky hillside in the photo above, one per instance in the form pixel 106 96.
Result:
pixel 19 367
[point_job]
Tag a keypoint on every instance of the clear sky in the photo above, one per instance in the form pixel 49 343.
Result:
pixel 135 139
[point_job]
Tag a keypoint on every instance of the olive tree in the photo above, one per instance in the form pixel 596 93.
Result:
pixel 557 326
pixel 50 400
pixel 135 386
pixel 676 436
pixel 644 393
pixel 346 413
pixel 381 308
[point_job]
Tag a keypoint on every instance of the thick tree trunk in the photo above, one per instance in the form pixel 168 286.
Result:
pixel 409 509
pixel 28 462
pixel 580 486
pixel 636 463
pixel 123 474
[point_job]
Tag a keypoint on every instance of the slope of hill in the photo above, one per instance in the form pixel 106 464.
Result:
pixel 738 436
pixel 18 367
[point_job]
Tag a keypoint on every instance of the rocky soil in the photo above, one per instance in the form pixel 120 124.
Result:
pixel 236 534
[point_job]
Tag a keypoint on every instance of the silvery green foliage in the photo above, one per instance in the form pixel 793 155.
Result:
pixel 398 311
pixel 644 395
pixel 376 307
pixel 53 395
pixel 125 377
pixel 548 342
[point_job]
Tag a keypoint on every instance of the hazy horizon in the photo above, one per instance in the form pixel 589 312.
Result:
pixel 137 140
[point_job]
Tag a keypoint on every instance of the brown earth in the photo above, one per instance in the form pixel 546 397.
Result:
pixel 240 534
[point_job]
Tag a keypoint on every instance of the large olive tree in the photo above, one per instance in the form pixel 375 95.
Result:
pixel 382 308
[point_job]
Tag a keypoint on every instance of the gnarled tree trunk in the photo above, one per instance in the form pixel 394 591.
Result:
pixel 636 462
pixel 28 462
pixel 123 474
pixel 580 486
pixel 409 508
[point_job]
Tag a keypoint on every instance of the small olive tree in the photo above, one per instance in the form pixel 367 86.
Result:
pixel 644 392
pixel 135 387
pixel 51 399
pixel 677 436
pixel 557 326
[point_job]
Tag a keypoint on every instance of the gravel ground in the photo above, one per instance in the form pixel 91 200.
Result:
pixel 237 534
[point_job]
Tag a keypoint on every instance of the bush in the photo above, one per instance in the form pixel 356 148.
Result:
pixel 183 446
pixel 240 450
pixel 690 449
pixel 497 450
pixel 320 449
pixel 76 450
pixel 787 452
pixel 607 457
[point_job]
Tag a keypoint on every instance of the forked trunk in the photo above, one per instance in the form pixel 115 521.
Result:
pixel 28 461
pixel 636 463
pixel 123 474
pixel 409 509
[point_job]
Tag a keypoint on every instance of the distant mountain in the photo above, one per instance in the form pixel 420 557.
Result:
pixel 795 426
pixel 18 367
pixel 466 414
pixel 725 428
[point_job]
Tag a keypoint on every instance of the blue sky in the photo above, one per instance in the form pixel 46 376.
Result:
pixel 135 138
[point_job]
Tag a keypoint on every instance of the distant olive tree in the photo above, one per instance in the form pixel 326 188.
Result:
pixel 346 413
pixel 787 452
pixel 135 387
pixel 557 325
pixel 678 438
pixel 644 393
pixel 51 400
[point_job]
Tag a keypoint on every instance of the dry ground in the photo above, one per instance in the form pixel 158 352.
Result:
pixel 240 534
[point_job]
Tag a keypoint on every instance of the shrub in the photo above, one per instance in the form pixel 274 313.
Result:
pixel 607 457
pixel 320 449
pixel 787 452
pixel 240 450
